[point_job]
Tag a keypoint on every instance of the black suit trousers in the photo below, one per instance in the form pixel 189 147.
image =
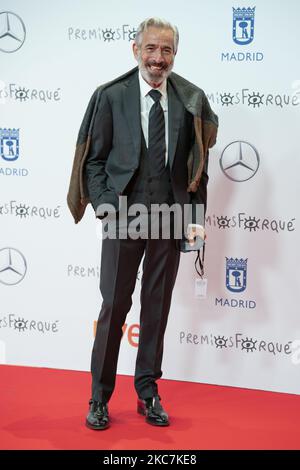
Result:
pixel 120 262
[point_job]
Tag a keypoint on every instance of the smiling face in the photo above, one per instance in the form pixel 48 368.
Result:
pixel 155 55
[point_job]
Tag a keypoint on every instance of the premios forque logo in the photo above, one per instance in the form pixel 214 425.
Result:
pixel 12 32
pixel 9 144
pixel 123 32
pixel 243 25
pixel 239 161
pixel 21 324
pixel 13 266
pixel 236 274
pixel 245 342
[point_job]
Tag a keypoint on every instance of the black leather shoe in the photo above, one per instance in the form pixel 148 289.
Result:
pixel 154 412
pixel 97 418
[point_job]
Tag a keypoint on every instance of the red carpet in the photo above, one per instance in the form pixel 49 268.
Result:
pixel 46 408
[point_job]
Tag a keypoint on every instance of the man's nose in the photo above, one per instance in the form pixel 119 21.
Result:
pixel 158 55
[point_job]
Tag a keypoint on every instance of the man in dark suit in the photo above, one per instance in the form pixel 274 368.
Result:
pixel 140 143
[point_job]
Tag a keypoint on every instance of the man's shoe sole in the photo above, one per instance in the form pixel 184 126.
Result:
pixel 96 428
pixel 162 424
pixel 142 412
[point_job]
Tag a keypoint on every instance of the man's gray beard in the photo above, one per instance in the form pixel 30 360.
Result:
pixel 150 78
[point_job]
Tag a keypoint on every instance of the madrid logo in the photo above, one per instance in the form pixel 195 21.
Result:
pixel 236 274
pixel 243 25
pixel 236 282
pixel 9 144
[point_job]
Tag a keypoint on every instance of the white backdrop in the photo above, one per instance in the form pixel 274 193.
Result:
pixel 49 267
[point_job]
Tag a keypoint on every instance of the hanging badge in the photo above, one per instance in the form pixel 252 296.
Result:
pixel 200 288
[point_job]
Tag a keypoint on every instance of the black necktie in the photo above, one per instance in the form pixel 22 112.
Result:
pixel 156 135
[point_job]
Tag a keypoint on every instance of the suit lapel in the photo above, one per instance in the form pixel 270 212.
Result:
pixel 175 114
pixel 132 110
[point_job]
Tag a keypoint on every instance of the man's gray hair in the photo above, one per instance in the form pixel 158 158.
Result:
pixel 157 23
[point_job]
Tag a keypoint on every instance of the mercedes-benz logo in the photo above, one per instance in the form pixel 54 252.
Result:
pixel 12 31
pixel 239 161
pixel 13 266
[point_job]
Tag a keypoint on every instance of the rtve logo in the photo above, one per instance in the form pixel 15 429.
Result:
pixel 131 332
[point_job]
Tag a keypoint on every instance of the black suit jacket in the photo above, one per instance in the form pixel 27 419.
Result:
pixel 116 144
